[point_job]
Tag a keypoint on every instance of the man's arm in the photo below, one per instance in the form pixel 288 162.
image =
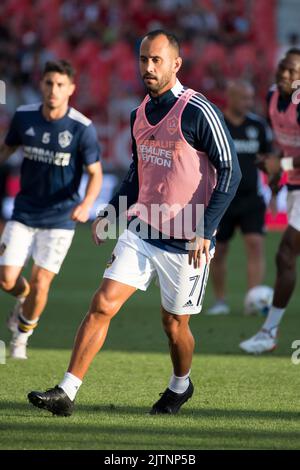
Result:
pixel 81 212
pixel 13 139
pixel 214 139
pixel 6 151
pixel 218 145
pixel 89 149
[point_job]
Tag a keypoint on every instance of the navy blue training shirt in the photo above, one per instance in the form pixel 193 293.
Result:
pixel 55 153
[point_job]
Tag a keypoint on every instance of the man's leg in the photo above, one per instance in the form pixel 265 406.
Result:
pixel 92 332
pixel 90 337
pixel 29 310
pixel 15 248
pixel 36 300
pixel 181 341
pixel 40 282
pixel 218 263
pixel 48 249
pixel 12 282
pixel 129 264
pixel 16 285
pixel 286 258
pixel 289 250
pixel 218 271
pixel 181 344
pixel 254 244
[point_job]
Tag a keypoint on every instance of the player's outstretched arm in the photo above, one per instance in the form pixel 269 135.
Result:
pixel 81 212
pixel 6 151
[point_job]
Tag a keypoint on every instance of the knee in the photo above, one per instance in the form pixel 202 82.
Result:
pixel 7 279
pixel 7 284
pixel 103 305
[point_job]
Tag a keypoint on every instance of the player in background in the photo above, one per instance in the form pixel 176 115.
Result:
pixel 183 154
pixel 58 142
pixel 4 173
pixel 284 114
pixel 252 136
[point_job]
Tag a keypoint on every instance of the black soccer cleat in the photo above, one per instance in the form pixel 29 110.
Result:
pixel 171 402
pixel 54 400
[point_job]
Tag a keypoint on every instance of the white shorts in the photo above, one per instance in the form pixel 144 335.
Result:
pixel 136 262
pixel 48 247
pixel 293 209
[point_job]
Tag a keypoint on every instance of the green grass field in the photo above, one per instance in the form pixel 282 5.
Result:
pixel 240 401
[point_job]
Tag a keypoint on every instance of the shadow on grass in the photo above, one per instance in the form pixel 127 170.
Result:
pixel 115 410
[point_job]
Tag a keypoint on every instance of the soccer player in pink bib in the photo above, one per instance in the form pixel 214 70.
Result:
pixel 284 113
pixel 185 164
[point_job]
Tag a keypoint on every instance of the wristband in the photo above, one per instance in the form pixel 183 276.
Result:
pixel 287 163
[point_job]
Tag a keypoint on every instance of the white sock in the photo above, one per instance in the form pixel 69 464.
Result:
pixel 26 327
pixel 22 337
pixel 70 385
pixel 273 319
pixel 179 384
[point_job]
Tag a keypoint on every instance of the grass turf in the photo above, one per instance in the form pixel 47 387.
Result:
pixel 240 401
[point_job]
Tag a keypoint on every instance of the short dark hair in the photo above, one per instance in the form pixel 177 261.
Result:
pixel 170 36
pixel 61 66
pixel 293 51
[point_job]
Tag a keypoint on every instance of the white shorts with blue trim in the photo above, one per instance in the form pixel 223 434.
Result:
pixel 136 263
pixel 47 247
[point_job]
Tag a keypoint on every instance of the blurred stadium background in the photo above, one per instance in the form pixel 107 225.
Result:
pixel 241 402
pixel 220 39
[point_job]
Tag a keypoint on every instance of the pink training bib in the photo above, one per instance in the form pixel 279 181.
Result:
pixel 287 133
pixel 175 180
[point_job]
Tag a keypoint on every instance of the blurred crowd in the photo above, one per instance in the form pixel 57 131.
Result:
pixel 220 39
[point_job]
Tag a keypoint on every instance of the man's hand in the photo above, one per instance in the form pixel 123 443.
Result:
pixel 272 164
pixel 81 213
pixel 198 246
pixel 99 228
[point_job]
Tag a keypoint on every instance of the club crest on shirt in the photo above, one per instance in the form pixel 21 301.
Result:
pixel 172 124
pixel 252 132
pixel 2 248
pixel 110 262
pixel 65 138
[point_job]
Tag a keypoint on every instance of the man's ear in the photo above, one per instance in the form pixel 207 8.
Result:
pixel 178 63
pixel 72 89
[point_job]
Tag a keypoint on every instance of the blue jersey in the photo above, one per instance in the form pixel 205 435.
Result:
pixel 55 153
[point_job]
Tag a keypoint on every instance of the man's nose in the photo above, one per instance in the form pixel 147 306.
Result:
pixel 285 73
pixel 149 66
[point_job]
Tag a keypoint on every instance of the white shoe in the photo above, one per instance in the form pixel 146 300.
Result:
pixel 263 341
pixel 219 308
pixel 18 345
pixel 13 318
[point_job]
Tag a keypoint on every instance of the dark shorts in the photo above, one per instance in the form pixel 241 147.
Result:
pixel 246 213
